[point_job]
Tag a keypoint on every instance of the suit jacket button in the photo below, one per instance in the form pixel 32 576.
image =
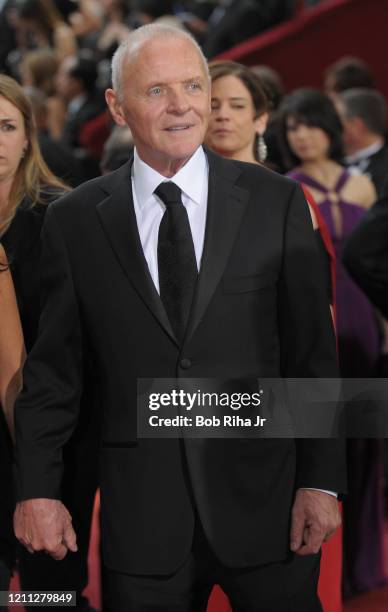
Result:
pixel 185 364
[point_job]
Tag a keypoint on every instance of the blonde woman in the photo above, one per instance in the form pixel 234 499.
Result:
pixel 26 187
pixel 11 343
pixel 11 360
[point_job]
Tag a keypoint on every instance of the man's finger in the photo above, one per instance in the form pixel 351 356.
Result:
pixel 329 535
pixel 70 538
pixel 296 535
pixel 298 523
pixel 58 553
pixel 312 541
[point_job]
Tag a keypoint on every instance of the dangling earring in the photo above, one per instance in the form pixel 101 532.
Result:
pixel 262 149
pixel 23 153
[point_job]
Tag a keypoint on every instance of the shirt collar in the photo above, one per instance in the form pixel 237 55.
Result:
pixel 146 179
pixel 364 153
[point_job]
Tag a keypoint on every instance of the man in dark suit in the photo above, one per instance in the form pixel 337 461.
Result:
pixel 76 84
pixel 366 253
pixel 121 256
pixel 364 116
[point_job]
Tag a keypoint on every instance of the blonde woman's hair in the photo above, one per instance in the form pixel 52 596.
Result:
pixel 33 179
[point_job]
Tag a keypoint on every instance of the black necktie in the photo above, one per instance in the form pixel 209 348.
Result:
pixel 176 259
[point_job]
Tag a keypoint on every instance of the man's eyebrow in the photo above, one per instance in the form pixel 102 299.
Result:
pixel 164 84
pixel 194 78
pixel 155 84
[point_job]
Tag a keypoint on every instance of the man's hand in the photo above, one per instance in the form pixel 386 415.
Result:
pixel 315 517
pixel 45 525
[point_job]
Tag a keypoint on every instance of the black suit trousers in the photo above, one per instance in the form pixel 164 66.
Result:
pixel 289 586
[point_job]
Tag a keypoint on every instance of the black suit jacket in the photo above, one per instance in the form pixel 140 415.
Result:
pixel 22 244
pixel 93 105
pixel 260 310
pixel 377 169
pixel 366 253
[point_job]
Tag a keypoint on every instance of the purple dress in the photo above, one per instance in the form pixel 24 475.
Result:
pixel 358 347
pixel 358 335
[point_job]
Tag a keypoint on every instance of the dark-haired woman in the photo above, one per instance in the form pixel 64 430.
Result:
pixel 311 138
pixel 236 127
pixel 239 112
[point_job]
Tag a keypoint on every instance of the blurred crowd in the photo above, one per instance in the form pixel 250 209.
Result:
pixel 61 50
pixel 332 140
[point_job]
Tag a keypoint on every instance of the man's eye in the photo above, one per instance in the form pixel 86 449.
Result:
pixel 155 91
pixel 194 86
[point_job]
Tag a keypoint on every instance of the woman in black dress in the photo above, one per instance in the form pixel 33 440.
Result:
pixel 26 187
pixel 11 360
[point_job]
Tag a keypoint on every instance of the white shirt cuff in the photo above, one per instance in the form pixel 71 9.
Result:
pixel 321 490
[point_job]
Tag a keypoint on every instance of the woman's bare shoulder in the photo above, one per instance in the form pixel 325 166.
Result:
pixel 361 190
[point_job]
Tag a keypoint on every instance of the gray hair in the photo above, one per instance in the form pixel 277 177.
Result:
pixel 130 47
pixel 369 105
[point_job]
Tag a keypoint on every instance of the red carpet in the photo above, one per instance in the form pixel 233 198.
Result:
pixel 376 601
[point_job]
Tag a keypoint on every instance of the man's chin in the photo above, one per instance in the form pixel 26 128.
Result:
pixel 181 151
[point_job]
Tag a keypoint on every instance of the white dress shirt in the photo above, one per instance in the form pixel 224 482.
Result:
pixel 358 162
pixel 192 179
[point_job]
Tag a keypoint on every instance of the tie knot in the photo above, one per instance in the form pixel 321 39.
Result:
pixel 169 193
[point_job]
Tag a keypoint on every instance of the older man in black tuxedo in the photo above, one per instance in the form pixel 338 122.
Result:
pixel 180 264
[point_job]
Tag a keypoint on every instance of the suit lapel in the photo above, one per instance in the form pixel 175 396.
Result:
pixel 226 207
pixel 118 219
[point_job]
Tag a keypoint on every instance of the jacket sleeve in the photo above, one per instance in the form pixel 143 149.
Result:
pixel 307 339
pixel 47 409
pixel 366 254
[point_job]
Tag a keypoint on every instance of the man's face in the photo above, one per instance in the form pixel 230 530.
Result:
pixel 165 101
pixel 350 131
pixel 67 87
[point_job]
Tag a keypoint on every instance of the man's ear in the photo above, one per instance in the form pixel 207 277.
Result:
pixel 115 107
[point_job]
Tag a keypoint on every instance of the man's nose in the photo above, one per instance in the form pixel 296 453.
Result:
pixel 178 102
